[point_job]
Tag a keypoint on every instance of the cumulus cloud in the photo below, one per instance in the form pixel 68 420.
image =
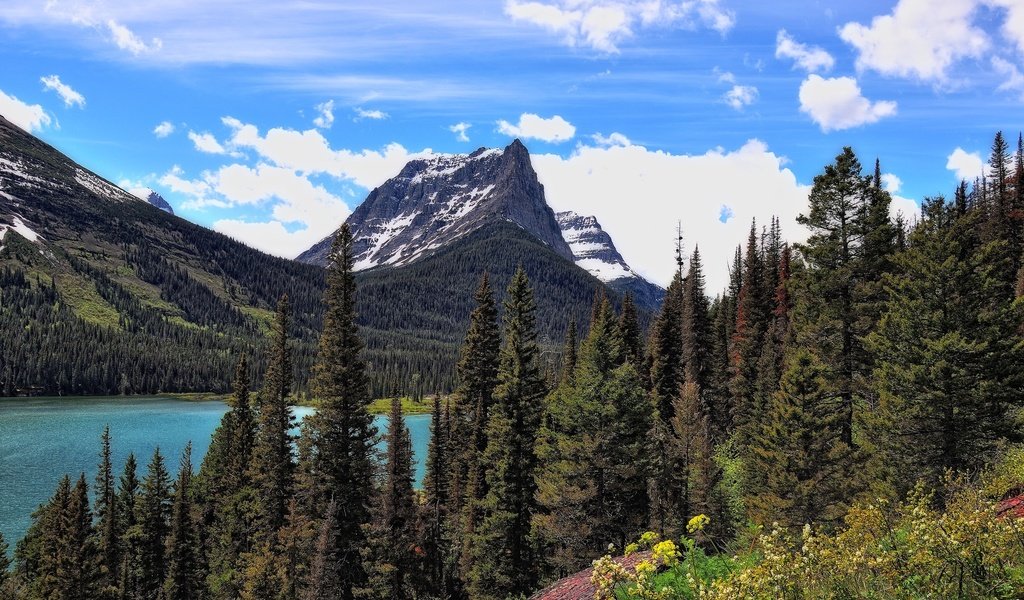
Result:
pixel 891 183
pixel 602 26
pixel 30 117
pixel 837 103
pixel 205 142
pixel 65 91
pixel 725 190
pixel 809 58
pixel 1013 79
pixel 740 96
pixel 325 115
pixel 309 152
pixel 376 115
pixel 461 131
pixel 614 139
pixel 919 39
pixel 163 129
pixel 966 165
pixel 125 39
pixel 531 126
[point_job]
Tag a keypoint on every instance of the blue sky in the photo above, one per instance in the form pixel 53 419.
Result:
pixel 277 117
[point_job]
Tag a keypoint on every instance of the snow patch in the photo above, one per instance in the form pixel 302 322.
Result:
pixel 21 229
pixel 605 271
pixel 101 187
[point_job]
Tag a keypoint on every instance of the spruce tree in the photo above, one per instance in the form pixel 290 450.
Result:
pixel 127 499
pixel 224 482
pixel 827 317
pixel 108 529
pixel 503 561
pixel 569 354
pixel 752 314
pixel 667 368
pixel 435 487
pixel 272 468
pixel 184 579
pixel 152 516
pixel 477 373
pixel 800 450
pixel 630 334
pixel 340 435
pixel 948 399
pixel 393 561
pixel 325 569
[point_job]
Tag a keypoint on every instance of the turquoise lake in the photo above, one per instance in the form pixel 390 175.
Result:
pixel 41 439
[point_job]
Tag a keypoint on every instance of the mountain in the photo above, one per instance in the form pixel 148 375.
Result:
pixel 104 293
pixel 101 292
pixel 158 201
pixel 433 202
pixel 594 251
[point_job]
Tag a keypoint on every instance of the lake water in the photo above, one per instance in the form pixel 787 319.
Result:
pixel 41 439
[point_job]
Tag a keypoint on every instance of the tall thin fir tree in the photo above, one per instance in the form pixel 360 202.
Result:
pixel 393 559
pixel 184 580
pixel 504 563
pixel 433 513
pixel 630 334
pixel 569 354
pixel 272 467
pixel 341 434
pixel 752 314
pixel 107 526
pixel 127 498
pixel 153 513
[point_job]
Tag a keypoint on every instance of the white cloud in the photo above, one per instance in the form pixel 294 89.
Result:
pixel 205 142
pixel 461 131
pixel 531 126
pixel 125 39
pixel 301 211
pixel 30 117
pixel 164 129
pixel 809 58
pixel 135 188
pixel 837 103
pixel 602 26
pixel 920 39
pixel 325 115
pixel 613 139
pixel 376 115
pixel 750 182
pixel 1013 79
pixel 966 165
pixel 65 91
pixel 310 153
pixel 891 183
pixel 740 96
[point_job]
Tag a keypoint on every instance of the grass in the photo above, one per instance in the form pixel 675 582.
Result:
pixel 86 302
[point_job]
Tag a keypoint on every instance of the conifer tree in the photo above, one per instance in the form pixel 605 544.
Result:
pixel 747 341
pixel 667 368
pixel 569 354
pixel 699 473
pixel 720 410
pixel 435 488
pixel 146 539
pixel 477 373
pixel 184 579
pixel 948 398
pixel 325 569
pixel 800 449
pixel 393 561
pixel 223 479
pixel 340 435
pixel 127 498
pixel 272 468
pixel 770 364
pixel 698 340
pixel 503 562
pixel 78 563
pixel 108 520
pixel 827 317
pixel 5 570
pixel 630 334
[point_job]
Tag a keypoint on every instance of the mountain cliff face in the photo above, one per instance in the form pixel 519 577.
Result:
pixel 158 201
pixel 594 251
pixel 435 201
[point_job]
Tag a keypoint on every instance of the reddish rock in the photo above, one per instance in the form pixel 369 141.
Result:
pixel 578 587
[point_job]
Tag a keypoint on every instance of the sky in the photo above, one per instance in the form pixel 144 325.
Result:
pixel 270 121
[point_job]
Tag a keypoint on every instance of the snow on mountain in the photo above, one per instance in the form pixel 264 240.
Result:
pixel 436 200
pixel 592 247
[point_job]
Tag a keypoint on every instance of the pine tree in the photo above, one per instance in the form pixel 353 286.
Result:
pixel 340 435
pixel 225 489
pixel 826 316
pixel 108 520
pixel 272 468
pixel 747 341
pixel 800 449
pixel 667 368
pixel 477 373
pixel 630 334
pixel 149 534
pixel 698 340
pixel 503 561
pixel 393 560
pixel 700 474
pixel 569 354
pixel 127 499
pixel 326 567
pixel 770 364
pixel 434 517
pixel 948 398
pixel 78 562
pixel 184 579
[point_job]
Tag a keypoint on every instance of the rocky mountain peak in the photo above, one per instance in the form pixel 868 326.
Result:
pixel 438 199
